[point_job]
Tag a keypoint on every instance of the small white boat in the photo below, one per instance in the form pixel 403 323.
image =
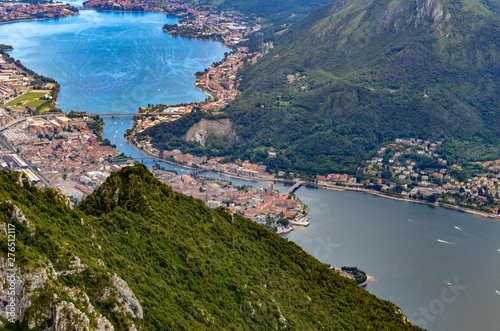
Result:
pixel 498 292
pixel 443 241
pixel 456 227
pixel 449 284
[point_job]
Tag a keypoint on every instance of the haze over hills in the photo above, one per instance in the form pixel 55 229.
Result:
pixel 356 73
pixel 137 253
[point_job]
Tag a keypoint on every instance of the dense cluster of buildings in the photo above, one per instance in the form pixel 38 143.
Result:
pixel 258 204
pixel 61 151
pixel 12 80
pixel 239 168
pixel 15 11
pixel 415 168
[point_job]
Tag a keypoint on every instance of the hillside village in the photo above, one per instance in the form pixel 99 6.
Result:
pixel 418 169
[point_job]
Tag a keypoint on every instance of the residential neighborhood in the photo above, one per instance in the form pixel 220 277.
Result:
pixel 60 152
pixel 419 169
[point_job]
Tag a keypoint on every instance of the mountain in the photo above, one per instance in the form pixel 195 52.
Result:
pixel 357 73
pixel 137 255
pixel 269 12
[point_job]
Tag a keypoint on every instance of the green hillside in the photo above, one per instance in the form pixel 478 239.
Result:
pixel 187 267
pixel 367 72
pixel 269 12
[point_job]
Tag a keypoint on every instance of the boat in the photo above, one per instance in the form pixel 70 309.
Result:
pixel 449 284
pixel 443 241
pixel 456 227
pixel 498 292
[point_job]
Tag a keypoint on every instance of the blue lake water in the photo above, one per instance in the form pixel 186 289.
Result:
pixel 113 63
pixel 116 62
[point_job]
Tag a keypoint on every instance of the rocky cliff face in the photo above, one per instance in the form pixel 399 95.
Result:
pixel 35 297
pixel 203 128
pixel 38 301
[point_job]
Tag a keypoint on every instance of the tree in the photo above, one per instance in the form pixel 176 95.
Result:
pixel 432 198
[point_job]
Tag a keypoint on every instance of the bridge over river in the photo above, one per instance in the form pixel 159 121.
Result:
pixel 293 188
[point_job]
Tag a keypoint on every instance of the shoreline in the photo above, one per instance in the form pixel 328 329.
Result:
pixel 265 180
pixel 368 280
pixel 38 19
pixel 341 189
pixel 403 199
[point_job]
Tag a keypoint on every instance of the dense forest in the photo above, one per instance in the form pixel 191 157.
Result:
pixel 355 74
pixel 189 267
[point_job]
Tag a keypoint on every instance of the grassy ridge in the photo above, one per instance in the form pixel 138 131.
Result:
pixel 189 266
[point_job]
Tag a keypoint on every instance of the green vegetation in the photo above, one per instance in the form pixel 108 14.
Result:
pixel 365 73
pixel 268 12
pixel 191 268
pixel 359 275
pixel 26 97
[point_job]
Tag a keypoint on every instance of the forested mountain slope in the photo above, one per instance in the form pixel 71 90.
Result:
pixel 137 255
pixel 356 73
pixel 270 12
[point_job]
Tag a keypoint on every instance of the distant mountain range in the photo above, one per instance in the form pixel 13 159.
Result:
pixel 135 255
pixel 357 73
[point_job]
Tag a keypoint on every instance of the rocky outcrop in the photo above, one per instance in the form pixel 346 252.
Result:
pixel 20 285
pixel 412 13
pixel 130 302
pixel 221 127
pixel 17 214
pixel 68 317
pixel 36 302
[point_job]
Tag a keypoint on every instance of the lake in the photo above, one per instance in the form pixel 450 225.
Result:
pixel 440 266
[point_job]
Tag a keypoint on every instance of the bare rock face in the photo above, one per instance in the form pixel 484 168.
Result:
pixel 131 304
pixel 19 285
pixel 36 302
pixel 68 317
pixel 203 128
pixel 427 9
pixel 412 13
pixel 17 214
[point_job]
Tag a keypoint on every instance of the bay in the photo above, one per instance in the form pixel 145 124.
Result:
pixel 440 266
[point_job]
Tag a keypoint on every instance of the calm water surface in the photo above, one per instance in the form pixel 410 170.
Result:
pixel 113 63
pixel 116 62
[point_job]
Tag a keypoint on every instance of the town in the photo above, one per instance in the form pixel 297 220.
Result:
pixel 57 151
pixel 16 12
pixel 418 169
pixel 279 212
pixel 67 152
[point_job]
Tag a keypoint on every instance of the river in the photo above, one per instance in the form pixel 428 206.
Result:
pixel 440 266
